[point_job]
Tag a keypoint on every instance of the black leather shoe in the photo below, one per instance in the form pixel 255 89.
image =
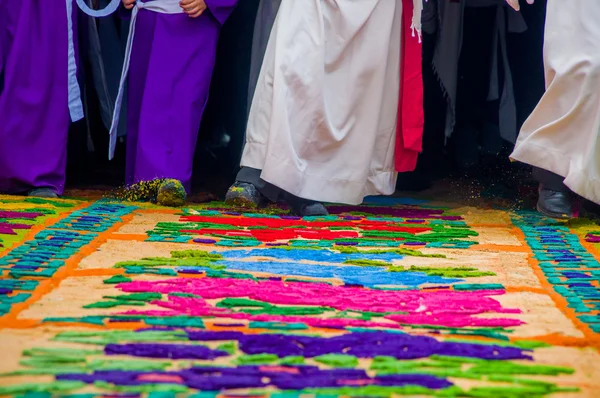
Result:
pixel 245 195
pixel 305 208
pixel 555 204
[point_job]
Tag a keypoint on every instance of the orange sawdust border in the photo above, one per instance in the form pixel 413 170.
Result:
pixel 11 320
pixel 591 339
pixel 46 286
pixel 48 223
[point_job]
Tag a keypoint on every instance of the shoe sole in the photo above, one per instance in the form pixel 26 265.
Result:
pixel 561 217
pixel 44 195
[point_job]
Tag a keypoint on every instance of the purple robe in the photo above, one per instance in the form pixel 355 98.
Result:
pixel 34 112
pixel 171 66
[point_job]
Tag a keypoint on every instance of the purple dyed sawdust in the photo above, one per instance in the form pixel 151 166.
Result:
pixel 172 351
pixel 284 378
pixel 190 271
pixel 361 345
pixel 290 217
pixel 205 241
pixel 577 275
pixel 123 320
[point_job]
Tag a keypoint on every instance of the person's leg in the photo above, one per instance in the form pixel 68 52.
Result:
pixel 472 89
pixel 561 134
pixel 171 68
pixel 554 196
pixel 34 110
pixel 252 176
pixel 250 190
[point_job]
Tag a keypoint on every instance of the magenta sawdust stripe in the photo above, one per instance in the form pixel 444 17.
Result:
pixel 593 238
pixel 443 308
pixel 19 214
pixel 9 229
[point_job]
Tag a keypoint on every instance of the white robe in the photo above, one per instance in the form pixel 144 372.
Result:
pixel 323 119
pixel 562 134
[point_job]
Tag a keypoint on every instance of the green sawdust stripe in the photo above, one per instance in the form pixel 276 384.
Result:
pixel 444 366
pixel 479 392
pixel 143 388
pixel 337 360
pixel 118 336
pixel 448 272
pixel 136 299
pixel 113 280
pixel 261 307
pixel 174 321
pixel 55 387
pixel 493 333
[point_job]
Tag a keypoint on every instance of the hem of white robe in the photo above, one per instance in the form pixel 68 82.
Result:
pixel 310 184
pixel 576 179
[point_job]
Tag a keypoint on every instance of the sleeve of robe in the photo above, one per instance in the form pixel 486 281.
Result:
pixel 221 9
pixel 409 134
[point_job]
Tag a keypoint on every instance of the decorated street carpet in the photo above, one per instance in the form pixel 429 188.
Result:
pixel 395 297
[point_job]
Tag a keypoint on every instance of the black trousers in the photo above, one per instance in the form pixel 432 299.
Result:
pixel 550 180
pixel 252 176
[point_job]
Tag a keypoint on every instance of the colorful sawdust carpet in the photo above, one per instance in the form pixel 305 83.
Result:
pixel 395 297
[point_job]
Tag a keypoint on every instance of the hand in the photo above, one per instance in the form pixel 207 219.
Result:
pixel 128 4
pixel 515 3
pixel 193 8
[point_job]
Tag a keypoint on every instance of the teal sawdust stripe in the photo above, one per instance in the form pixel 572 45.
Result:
pixel 568 266
pixel 48 251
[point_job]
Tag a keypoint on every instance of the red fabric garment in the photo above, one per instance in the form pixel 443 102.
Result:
pixel 409 133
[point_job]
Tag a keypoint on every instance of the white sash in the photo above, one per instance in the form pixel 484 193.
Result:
pixel 160 6
pixel 109 9
pixel 74 93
